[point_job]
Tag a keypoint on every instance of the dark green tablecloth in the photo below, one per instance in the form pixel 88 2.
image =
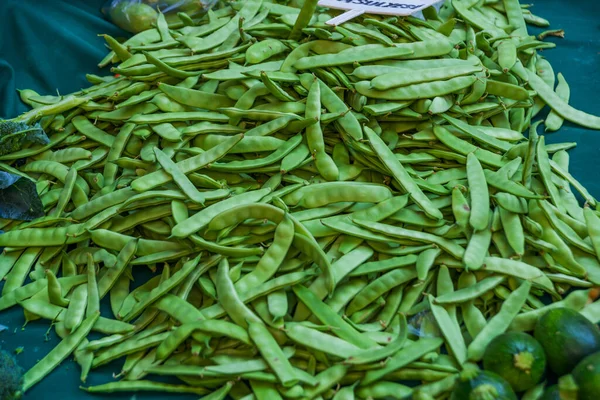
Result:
pixel 47 45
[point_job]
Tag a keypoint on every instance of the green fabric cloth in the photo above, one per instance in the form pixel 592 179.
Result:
pixel 51 44
pixel 577 57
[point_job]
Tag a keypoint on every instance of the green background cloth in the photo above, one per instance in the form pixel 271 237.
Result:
pixel 47 45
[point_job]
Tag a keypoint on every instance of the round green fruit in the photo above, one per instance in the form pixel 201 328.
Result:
pixel 567 337
pixel 518 358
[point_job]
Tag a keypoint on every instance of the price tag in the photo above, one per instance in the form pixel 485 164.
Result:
pixel 387 7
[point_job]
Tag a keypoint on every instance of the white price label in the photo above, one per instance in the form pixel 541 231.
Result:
pixel 386 7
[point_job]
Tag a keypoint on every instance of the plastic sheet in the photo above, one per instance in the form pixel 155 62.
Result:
pixel 138 15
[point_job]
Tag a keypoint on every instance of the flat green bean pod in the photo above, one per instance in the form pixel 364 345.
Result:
pixel 418 90
pixel 559 106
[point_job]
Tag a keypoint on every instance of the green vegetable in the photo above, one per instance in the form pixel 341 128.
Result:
pixel 568 388
pixel 11 377
pixel 133 17
pixel 13 135
pixel 551 393
pixel 567 337
pixel 474 384
pixel 587 376
pixel 518 358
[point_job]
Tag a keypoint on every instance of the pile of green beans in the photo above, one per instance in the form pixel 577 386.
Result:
pixel 325 208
